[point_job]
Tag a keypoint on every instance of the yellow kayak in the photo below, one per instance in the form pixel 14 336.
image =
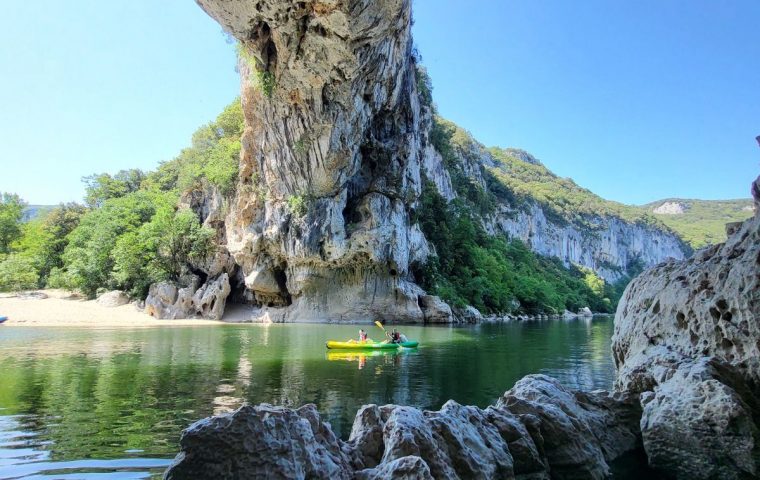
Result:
pixel 368 344
pixel 357 345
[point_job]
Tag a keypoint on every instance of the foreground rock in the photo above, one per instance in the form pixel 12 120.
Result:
pixel 687 339
pixel 537 430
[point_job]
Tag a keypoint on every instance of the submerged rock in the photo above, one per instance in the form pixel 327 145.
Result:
pixel 537 430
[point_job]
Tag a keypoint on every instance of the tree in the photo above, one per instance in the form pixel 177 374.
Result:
pixel 102 187
pixel 11 212
pixel 87 259
pixel 17 273
pixel 161 249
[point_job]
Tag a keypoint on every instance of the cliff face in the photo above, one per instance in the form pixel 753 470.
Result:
pixel 606 244
pixel 336 147
pixel 331 158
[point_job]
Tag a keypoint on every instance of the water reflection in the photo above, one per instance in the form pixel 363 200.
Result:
pixel 84 395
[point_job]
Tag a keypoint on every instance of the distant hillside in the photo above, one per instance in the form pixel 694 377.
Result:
pixel 33 211
pixel 700 222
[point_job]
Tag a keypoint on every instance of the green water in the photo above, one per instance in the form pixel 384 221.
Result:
pixel 94 403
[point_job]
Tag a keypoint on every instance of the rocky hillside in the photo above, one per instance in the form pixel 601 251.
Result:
pixel 340 150
pixel 700 222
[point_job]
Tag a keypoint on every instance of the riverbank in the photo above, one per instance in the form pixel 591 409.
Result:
pixel 60 308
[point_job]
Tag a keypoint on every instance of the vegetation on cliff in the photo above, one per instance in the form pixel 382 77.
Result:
pixel 703 222
pixel 495 275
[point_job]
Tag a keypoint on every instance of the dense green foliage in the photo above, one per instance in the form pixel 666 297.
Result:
pixel 11 212
pixel 213 157
pixel 493 275
pixel 703 221
pixel 131 233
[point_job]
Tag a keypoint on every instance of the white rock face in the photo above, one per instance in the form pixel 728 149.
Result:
pixel 670 208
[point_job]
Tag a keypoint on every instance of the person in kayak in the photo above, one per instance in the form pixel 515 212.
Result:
pixel 396 337
pixel 362 337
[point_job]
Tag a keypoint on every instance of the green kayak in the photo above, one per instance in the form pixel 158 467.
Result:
pixel 368 345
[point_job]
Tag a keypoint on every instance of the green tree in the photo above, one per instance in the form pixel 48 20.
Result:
pixel 160 249
pixel 17 273
pixel 11 212
pixel 87 259
pixel 102 187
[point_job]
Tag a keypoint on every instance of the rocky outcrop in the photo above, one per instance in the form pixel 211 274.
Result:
pixel 705 306
pixel 538 430
pixel 687 339
pixel 330 170
pixel 204 300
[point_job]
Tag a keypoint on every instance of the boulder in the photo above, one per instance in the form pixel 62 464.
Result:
pixel 537 430
pixel 114 298
pixel 435 310
pixel 580 432
pixel 261 442
pixel 698 423
pixel 585 312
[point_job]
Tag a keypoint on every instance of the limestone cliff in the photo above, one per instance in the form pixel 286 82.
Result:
pixel 335 151
pixel 687 340
pixel 331 158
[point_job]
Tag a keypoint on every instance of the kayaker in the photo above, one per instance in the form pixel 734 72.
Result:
pixel 394 336
pixel 362 335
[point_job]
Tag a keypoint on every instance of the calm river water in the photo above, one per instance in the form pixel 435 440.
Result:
pixel 111 403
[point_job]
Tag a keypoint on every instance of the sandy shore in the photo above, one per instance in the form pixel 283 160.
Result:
pixel 60 309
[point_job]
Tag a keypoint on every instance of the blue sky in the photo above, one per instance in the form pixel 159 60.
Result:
pixel 634 100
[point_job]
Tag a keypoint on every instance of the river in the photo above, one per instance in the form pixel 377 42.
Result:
pixel 82 403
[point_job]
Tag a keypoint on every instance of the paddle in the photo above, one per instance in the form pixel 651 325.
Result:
pixel 377 322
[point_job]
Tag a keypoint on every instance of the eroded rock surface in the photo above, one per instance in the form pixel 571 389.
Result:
pixel 538 430
pixel 687 339
pixel 708 305
pixel 204 300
